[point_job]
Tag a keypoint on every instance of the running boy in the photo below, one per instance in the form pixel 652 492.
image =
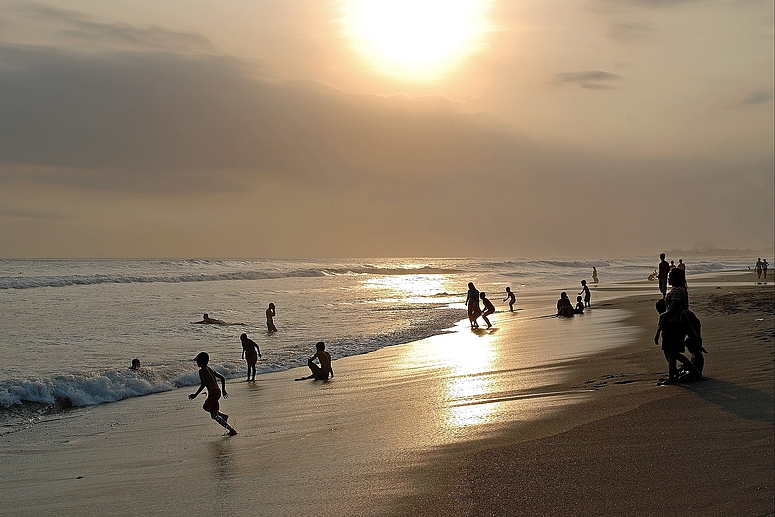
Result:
pixel 208 377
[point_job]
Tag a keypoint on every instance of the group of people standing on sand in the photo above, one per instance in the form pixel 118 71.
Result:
pixel 566 308
pixel 678 326
pixel 761 267
pixel 474 311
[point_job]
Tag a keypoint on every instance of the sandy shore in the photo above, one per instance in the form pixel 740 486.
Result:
pixel 538 416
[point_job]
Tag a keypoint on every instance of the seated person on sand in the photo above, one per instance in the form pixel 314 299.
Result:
pixel 208 320
pixel 319 373
pixel 564 306
pixel 579 306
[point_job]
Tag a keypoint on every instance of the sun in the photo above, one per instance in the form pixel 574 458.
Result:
pixel 415 39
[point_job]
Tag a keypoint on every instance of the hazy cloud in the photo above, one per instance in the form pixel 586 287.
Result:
pixel 760 97
pixel 591 79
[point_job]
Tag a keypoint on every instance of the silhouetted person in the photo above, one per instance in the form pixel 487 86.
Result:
pixel 208 320
pixel 564 305
pixel 664 269
pixel 594 275
pixel 681 264
pixel 672 326
pixel 511 297
pixel 270 314
pixel 585 291
pixel 250 353
pixel 765 264
pixel 319 373
pixel 579 309
pixel 759 268
pixel 135 364
pixel 472 303
pixel 208 377
pixel 489 308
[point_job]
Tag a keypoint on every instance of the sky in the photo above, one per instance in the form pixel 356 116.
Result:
pixel 374 128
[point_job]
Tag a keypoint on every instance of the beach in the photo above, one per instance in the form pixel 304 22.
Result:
pixel 540 416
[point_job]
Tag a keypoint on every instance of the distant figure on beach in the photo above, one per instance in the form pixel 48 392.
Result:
pixel 564 305
pixel 673 328
pixel 472 302
pixel 664 269
pixel 758 267
pixel 208 377
pixel 681 264
pixel 489 308
pixel 653 276
pixel 585 291
pixel 594 275
pixel 319 373
pixel 672 264
pixel 135 364
pixel 579 309
pixel 270 314
pixel 511 297
pixel 250 353
pixel 207 320
pixel 765 264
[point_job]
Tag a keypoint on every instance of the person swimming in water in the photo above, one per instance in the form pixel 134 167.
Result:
pixel 207 320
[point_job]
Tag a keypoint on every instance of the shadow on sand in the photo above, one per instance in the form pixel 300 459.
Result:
pixel 744 402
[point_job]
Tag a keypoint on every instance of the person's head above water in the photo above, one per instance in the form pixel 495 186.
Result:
pixel 202 358
pixel 320 346
pixel 135 364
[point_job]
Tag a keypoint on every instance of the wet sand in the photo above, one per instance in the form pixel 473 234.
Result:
pixel 539 416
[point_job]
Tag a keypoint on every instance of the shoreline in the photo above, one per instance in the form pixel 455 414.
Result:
pixel 412 429
pixel 635 448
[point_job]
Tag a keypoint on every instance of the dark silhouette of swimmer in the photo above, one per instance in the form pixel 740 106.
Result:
pixel 135 364
pixel 208 320
pixel 594 275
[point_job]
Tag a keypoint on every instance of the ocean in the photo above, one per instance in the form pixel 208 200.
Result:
pixel 70 328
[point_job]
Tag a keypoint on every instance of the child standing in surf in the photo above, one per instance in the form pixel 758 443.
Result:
pixel 511 297
pixel 208 378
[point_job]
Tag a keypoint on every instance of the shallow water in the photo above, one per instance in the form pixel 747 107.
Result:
pixel 71 327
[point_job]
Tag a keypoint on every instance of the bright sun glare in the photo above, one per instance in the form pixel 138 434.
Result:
pixel 415 39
